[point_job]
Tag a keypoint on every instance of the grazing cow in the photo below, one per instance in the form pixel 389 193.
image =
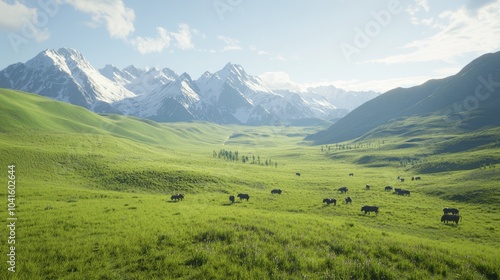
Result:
pixel 351 174
pixel 403 192
pixel 367 187
pixel 177 197
pixel 402 180
pixel 343 190
pixel 453 211
pixel 243 196
pixel 231 198
pixel 276 191
pixel 397 190
pixel 417 178
pixel 452 218
pixel 348 200
pixel 329 201
pixel 298 174
pixel 388 188
pixel 368 209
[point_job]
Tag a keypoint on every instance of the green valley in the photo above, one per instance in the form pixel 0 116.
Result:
pixel 93 199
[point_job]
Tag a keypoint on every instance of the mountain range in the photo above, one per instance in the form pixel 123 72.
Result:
pixel 465 102
pixel 228 96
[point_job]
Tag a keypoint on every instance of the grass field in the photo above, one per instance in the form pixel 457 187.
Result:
pixel 93 200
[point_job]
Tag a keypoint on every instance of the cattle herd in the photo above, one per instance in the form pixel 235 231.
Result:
pixel 449 214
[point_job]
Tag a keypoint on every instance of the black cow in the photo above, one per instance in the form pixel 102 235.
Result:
pixel 403 192
pixel 276 191
pixel 231 198
pixel 343 190
pixel 417 178
pixel 177 197
pixel 348 200
pixel 351 174
pixel 367 187
pixel 452 218
pixel 388 188
pixel 368 209
pixel 402 180
pixel 453 211
pixel 397 190
pixel 330 201
pixel 243 196
pixel 298 174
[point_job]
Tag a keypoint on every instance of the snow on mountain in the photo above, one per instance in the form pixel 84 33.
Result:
pixel 340 98
pixel 233 87
pixel 228 96
pixel 64 75
pixel 137 80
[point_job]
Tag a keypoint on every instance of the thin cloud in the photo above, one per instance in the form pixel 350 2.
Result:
pixel 231 44
pixel 118 18
pixel 458 32
pixel 163 40
pixel 183 37
pixel 17 17
pixel 279 80
pixel 282 80
pixel 147 45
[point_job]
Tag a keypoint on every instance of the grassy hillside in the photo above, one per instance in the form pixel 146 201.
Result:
pixel 462 103
pixel 93 201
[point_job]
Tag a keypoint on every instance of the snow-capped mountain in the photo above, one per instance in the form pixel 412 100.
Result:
pixel 137 80
pixel 65 75
pixel 349 100
pixel 228 96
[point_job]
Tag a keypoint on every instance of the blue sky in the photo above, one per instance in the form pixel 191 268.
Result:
pixel 357 45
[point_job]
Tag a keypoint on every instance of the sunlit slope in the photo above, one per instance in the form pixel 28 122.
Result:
pixel 94 199
pixel 22 112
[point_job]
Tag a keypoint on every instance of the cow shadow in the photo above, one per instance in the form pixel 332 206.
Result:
pixel 329 205
pixel 450 225
pixel 372 216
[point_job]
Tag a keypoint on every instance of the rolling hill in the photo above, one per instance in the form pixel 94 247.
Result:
pixel 93 194
pixel 468 101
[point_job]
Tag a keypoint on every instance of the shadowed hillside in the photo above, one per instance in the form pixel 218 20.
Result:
pixel 467 101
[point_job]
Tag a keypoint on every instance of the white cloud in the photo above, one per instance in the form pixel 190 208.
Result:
pixel 162 41
pixel 183 37
pixel 20 18
pixel 458 32
pixel 231 44
pixel 150 45
pixel 281 80
pixel 14 16
pixel 118 18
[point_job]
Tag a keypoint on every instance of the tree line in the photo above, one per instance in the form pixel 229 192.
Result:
pixel 235 157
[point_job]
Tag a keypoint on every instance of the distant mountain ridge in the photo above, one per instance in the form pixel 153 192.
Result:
pixel 469 100
pixel 228 96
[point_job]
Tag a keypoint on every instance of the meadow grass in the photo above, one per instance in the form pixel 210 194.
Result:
pixel 93 202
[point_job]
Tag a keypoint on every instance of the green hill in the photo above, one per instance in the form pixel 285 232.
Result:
pixel 467 101
pixel 93 200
